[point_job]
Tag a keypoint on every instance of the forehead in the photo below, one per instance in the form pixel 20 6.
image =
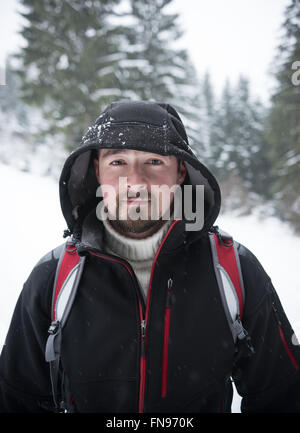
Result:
pixel 104 153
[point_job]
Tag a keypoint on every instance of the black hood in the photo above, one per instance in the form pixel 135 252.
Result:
pixel 139 125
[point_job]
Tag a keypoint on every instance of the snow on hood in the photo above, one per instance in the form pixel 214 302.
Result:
pixel 139 125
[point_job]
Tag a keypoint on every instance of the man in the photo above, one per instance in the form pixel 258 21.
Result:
pixel 117 354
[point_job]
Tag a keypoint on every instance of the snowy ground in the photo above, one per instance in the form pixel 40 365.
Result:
pixel 32 224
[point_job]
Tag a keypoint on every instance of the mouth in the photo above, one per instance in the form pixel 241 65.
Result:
pixel 135 201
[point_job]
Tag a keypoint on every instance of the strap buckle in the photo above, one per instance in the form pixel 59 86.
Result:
pixel 224 238
pixel 53 328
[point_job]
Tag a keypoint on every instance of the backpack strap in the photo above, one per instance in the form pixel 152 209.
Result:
pixel 230 280
pixel 67 277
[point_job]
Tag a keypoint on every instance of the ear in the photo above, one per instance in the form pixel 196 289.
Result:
pixel 181 172
pixel 96 167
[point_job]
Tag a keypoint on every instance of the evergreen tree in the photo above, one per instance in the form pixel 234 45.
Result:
pixel 221 137
pixel 80 56
pixel 250 149
pixel 209 112
pixel 237 142
pixel 283 123
pixel 11 107
pixel 155 69
pixel 69 63
pixel 15 143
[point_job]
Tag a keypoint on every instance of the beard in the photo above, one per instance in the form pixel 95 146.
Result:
pixel 142 222
pixel 138 226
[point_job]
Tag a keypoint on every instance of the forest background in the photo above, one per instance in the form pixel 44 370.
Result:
pixel 78 56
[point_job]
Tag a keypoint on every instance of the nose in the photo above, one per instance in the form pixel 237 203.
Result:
pixel 136 179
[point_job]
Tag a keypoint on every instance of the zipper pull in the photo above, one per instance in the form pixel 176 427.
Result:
pixel 143 334
pixel 239 329
pixel 169 293
pixel 143 328
pixel 242 334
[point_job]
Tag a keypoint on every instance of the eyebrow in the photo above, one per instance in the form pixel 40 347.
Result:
pixel 108 152
pixel 111 152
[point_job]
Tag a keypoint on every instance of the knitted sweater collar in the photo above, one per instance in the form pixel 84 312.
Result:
pixel 133 249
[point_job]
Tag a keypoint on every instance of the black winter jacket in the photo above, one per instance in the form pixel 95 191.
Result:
pixel 122 355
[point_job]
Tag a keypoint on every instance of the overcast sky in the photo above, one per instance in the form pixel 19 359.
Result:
pixel 232 37
pixel 224 37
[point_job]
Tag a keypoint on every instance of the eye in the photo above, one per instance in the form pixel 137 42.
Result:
pixel 155 162
pixel 117 162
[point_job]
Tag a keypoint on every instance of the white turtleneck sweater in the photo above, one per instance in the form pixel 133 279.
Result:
pixel 138 252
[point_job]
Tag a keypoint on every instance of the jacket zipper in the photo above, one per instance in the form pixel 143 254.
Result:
pixel 145 323
pixel 142 365
pixel 142 327
pixel 143 317
pixel 166 339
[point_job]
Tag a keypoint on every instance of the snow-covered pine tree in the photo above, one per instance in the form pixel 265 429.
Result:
pixel 80 56
pixel 221 136
pixel 10 104
pixel 69 64
pixel 283 123
pixel 249 154
pixel 237 147
pixel 155 67
pixel 209 111
pixel 15 141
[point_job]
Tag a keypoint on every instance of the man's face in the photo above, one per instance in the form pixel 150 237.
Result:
pixel 141 170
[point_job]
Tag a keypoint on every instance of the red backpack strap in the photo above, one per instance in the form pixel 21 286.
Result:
pixel 229 278
pixel 229 259
pixel 67 277
pixel 66 271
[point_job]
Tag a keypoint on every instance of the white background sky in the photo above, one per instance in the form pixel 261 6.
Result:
pixel 224 37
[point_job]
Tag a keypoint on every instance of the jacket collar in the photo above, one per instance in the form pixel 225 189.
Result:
pixel 92 236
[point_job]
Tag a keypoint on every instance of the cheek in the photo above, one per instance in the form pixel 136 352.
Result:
pixel 106 177
pixel 109 184
pixel 165 176
pixel 165 196
pixel 169 178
